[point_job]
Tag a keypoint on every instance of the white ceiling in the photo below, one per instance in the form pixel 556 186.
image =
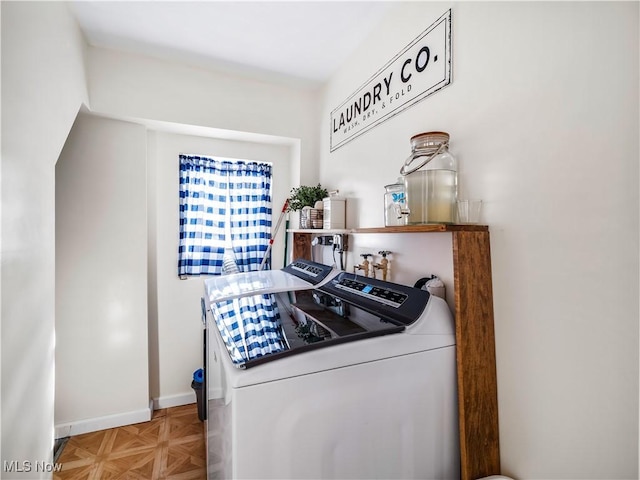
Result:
pixel 298 41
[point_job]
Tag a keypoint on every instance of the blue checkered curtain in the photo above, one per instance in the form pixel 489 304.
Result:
pixel 250 201
pixel 207 187
pixel 203 200
pixel 249 326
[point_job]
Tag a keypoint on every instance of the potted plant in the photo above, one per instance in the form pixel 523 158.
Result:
pixel 306 196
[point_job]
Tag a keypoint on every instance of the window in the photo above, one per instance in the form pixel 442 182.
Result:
pixel 225 205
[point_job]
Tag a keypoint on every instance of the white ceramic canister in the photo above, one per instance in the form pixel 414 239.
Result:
pixel 335 211
pixel 431 179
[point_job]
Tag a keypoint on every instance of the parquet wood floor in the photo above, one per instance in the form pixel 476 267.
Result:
pixel 168 447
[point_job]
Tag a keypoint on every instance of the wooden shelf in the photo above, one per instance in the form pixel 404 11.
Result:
pixel 430 227
pixel 321 231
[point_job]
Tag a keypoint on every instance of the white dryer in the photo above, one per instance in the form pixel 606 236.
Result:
pixel 361 383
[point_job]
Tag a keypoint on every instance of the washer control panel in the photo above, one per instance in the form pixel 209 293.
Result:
pixel 386 296
pixel 397 303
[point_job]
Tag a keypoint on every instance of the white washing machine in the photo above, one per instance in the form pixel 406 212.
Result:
pixel 361 383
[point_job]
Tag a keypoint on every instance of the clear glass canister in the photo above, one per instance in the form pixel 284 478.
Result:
pixel 395 204
pixel 431 179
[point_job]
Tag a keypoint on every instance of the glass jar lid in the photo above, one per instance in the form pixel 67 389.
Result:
pixel 429 139
pixel 425 147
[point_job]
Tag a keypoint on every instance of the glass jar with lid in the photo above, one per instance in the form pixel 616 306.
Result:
pixel 431 179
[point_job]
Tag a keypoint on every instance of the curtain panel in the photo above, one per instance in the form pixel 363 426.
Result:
pixel 214 193
pixel 226 206
pixel 250 219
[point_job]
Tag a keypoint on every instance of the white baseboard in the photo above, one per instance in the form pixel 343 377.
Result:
pixel 180 399
pixel 174 400
pixel 128 418
pixel 102 423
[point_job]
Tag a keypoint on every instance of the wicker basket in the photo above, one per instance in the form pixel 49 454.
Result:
pixel 310 218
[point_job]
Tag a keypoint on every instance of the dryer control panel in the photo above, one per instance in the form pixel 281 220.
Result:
pixel 307 270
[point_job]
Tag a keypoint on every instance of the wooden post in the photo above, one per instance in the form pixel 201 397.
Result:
pixel 476 359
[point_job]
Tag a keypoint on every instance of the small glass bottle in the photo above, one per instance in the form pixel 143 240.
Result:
pixel 394 204
pixel 431 179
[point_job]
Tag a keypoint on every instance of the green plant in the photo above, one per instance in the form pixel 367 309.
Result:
pixel 304 196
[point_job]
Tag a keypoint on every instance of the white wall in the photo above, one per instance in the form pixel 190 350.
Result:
pixel 101 277
pixel 133 86
pixel 43 86
pixel 197 111
pixel 174 321
pixel 543 116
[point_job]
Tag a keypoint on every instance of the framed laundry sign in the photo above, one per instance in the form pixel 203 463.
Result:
pixel 422 68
